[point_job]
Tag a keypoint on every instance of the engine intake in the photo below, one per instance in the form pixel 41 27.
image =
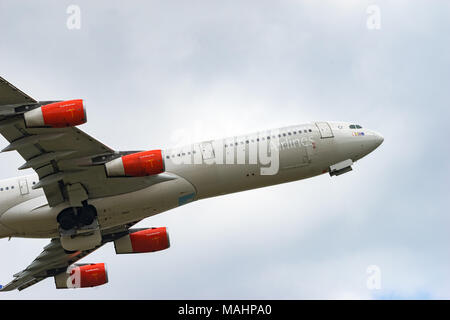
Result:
pixel 62 114
pixel 147 240
pixel 139 164
pixel 82 276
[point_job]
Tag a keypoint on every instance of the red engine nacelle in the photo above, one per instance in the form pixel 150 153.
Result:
pixel 57 115
pixel 139 164
pixel 82 276
pixel 148 240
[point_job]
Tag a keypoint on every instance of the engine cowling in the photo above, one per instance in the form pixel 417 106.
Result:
pixel 138 164
pixel 147 240
pixel 62 114
pixel 82 276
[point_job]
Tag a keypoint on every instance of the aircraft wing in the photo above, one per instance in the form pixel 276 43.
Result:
pixel 53 260
pixel 10 95
pixel 69 162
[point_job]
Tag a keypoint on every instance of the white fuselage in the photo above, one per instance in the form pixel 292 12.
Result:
pixel 203 170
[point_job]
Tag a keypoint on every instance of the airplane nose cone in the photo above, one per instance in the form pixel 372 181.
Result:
pixel 378 139
pixel 374 140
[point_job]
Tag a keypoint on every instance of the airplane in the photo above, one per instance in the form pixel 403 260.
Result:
pixel 84 194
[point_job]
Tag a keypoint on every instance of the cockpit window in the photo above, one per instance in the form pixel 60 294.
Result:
pixel 358 126
pixel 352 126
pixel 355 126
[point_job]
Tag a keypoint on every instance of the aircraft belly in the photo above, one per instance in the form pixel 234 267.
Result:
pixel 32 218
pixel 35 219
pixel 220 179
pixel 134 206
pixel 5 232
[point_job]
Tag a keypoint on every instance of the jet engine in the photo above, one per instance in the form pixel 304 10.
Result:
pixel 138 164
pixel 62 114
pixel 143 240
pixel 82 276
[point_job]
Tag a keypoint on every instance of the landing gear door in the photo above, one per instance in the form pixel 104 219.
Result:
pixel 325 130
pixel 23 186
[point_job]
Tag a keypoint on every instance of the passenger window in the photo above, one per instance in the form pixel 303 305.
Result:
pixel 310 130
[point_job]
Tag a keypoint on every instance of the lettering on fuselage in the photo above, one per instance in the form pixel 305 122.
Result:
pixel 263 149
pixel 295 143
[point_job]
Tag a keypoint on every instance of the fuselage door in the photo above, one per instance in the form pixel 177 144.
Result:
pixel 325 130
pixel 207 150
pixel 23 186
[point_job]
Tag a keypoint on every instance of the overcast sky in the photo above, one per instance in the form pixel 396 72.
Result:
pixel 152 71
